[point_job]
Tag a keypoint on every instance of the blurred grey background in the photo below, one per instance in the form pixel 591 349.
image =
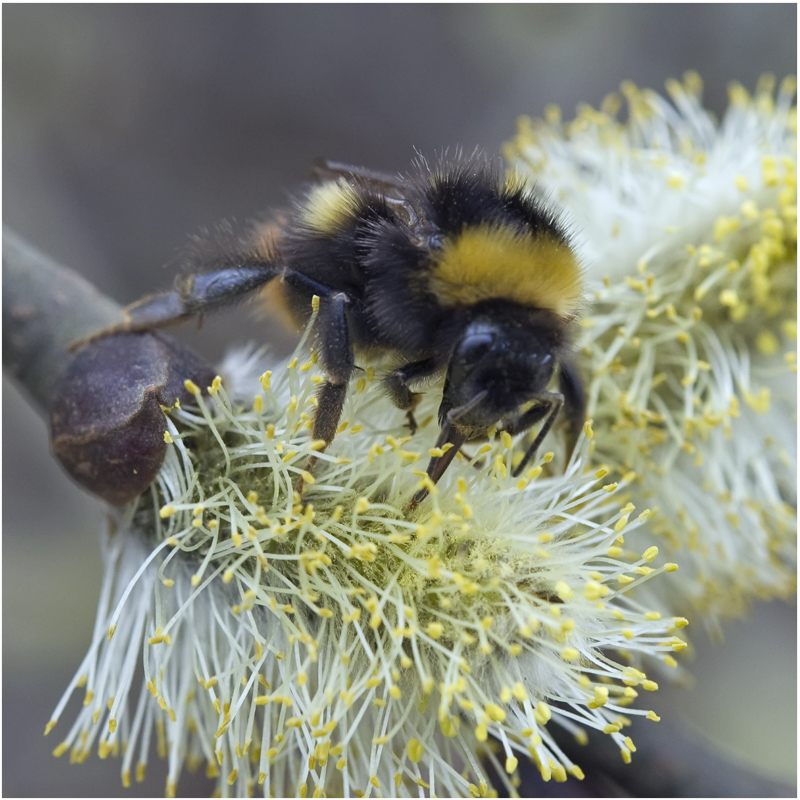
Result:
pixel 126 127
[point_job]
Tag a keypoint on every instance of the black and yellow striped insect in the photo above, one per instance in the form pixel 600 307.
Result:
pixel 454 270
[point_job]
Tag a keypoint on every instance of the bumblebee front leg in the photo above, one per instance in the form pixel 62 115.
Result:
pixel 571 401
pixel 192 296
pixel 548 405
pixel 574 403
pixel 336 356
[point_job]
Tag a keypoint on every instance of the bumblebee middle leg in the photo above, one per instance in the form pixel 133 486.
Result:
pixel 336 356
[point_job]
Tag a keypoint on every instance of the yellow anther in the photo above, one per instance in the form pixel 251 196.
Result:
pixel 650 553
pixel 434 629
pixel 542 713
pixel 563 590
pixel 495 712
pixel 415 751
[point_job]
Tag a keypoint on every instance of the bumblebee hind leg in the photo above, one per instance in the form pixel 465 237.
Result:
pixel 192 296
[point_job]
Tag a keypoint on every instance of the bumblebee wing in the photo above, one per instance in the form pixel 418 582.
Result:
pixel 383 182
pixel 393 188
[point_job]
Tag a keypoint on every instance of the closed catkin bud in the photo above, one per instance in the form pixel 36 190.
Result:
pixel 106 422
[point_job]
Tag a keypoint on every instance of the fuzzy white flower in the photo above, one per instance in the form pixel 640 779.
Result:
pixel 688 229
pixel 336 644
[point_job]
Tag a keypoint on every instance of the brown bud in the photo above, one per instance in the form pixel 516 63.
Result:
pixel 106 423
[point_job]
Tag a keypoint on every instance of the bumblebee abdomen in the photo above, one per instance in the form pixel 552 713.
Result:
pixel 325 237
pixel 329 208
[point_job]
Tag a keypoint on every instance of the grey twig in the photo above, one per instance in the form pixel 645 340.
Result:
pixel 46 307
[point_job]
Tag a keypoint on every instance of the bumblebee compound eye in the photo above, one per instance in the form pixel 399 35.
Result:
pixel 473 348
pixel 106 422
pixel 538 366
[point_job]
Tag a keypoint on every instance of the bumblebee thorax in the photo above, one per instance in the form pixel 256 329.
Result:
pixel 498 261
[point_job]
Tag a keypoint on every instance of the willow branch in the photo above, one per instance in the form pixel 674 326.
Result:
pixel 46 307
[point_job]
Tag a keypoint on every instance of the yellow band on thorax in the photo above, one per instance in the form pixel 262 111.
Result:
pixel 495 261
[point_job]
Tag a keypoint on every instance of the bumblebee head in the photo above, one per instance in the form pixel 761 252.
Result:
pixel 497 365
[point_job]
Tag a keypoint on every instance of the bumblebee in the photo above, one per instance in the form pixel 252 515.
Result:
pixel 453 270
